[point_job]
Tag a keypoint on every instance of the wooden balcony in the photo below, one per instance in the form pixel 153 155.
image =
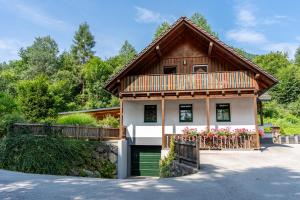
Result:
pixel 188 82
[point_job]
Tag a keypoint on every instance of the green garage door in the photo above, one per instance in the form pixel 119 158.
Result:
pixel 145 160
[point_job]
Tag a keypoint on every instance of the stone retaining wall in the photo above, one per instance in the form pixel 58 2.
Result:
pixel 180 169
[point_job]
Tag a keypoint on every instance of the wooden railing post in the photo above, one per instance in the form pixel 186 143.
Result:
pixel 255 121
pixel 121 120
pixel 163 122
pixel 207 114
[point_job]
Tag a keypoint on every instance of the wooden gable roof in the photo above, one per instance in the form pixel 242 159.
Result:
pixel 213 44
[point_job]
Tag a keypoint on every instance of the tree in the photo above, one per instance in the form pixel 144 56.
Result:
pixel 40 57
pixel 297 56
pixel 272 62
pixel 245 54
pixel 161 29
pixel 200 21
pixel 95 73
pixel 35 99
pixel 84 42
pixel 127 52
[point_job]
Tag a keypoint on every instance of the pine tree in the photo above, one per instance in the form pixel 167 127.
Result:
pixel 200 21
pixel 84 42
pixel 161 29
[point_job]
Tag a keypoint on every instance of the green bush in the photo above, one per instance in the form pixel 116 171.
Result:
pixel 165 164
pixel 77 119
pixel 109 121
pixel 51 155
pixel 7 120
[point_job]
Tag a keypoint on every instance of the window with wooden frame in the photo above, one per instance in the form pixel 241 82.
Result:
pixel 223 112
pixel 170 69
pixel 185 113
pixel 150 113
pixel 200 68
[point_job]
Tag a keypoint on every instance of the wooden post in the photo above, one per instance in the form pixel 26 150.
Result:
pixel 121 131
pixel 207 114
pixel 163 122
pixel 255 120
pixel 77 131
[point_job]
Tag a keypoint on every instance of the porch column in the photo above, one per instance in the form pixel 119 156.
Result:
pixel 163 122
pixel 121 120
pixel 207 113
pixel 255 120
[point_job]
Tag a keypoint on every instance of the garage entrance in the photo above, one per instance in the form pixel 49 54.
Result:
pixel 145 160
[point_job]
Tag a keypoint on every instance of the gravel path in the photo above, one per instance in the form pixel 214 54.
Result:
pixel 271 174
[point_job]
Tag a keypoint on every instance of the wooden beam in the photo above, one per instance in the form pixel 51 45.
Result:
pixel 255 120
pixel 163 122
pixel 257 76
pixel 207 114
pixel 158 51
pixel 211 44
pixel 121 131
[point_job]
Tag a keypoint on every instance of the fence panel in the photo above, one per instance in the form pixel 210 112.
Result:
pixel 187 150
pixel 72 131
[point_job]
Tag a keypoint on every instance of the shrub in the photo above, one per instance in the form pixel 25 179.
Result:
pixel 109 121
pixel 77 119
pixel 52 155
pixel 165 164
pixel 7 120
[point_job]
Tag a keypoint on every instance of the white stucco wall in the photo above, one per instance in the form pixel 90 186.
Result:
pixel 241 111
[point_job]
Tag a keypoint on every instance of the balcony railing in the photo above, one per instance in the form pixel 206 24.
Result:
pixel 182 82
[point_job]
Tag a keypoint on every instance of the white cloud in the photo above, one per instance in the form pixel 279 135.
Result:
pixel 246 36
pixel 34 14
pixel 9 49
pixel 144 15
pixel 245 17
pixel 287 47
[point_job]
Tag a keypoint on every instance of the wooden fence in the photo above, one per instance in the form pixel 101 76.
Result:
pixel 243 142
pixel 71 131
pixel 187 150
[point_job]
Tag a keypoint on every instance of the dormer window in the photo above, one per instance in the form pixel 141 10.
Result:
pixel 170 70
pixel 200 68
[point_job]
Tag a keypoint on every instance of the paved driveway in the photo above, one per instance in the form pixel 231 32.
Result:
pixel 271 174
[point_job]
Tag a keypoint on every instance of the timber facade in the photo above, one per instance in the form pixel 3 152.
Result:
pixel 185 78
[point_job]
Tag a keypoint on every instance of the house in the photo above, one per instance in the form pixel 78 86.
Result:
pixel 185 78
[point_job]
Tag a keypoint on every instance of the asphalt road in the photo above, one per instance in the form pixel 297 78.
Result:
pixel 271 174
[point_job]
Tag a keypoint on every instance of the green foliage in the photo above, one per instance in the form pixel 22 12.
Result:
pixel 40 58
pixel 35 99
pixel 161 29
pixel 77 119
pixel 288 89
pixel 126 54
pixel 84 42
pixel 297 56
pixel 294 107
pixel 245 54
pixel 51 155
pixel 272 62
pixel 95 73
pixel 109 121
pixel 9 112
pixel 201 21
pixel 166 163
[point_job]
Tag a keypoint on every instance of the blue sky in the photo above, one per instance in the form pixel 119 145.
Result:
pixel 254 25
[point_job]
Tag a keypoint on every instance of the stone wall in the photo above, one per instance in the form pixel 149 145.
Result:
pixel 102 152
pixel 181 169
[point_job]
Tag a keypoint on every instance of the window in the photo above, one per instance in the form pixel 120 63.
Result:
pixel 150 113
pixel 170 70
pixel 186 113
pixel 223 112
pixel 200 68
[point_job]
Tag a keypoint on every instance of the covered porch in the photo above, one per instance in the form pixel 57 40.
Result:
pixel 170 122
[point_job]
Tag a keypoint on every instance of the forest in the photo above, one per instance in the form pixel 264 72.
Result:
pixel 44 81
